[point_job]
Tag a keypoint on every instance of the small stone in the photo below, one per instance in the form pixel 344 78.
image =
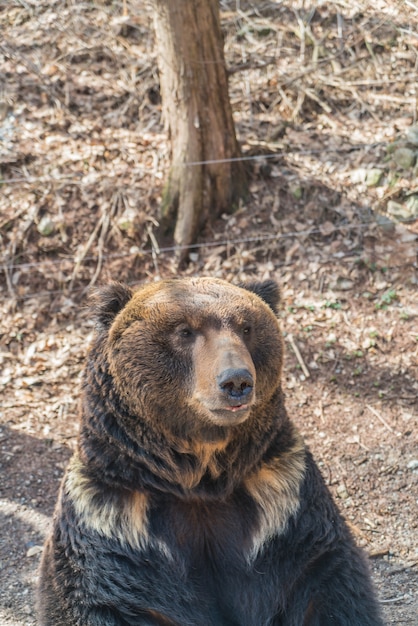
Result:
pixel 327 228
pixel 404 157
pixel 412 204
pixel 398 211
pixel 296 191
pixel 391 147
pixel 413 465
pixel 412 135
pixel 373 177
pixel 385 223
pixel 344 284
pixel 4 109
pixel 359 175
pixel 46 226
pixel 126 221
pixel 342 491
pixel 33 550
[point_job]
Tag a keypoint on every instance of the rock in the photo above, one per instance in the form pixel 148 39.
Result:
pixel 404 157
pixel 385 223
pixel 4 109
pixel 344 284
pixel 342 491
pixel 33 550
pixel 359 175
pixel 412 135
pixel 327 228
pixel 373 177
pixel 296 191
pixel 412 204
pixel 391 147
pixel 127 221
pixel 413 465
pixel 46 226
pixel 398 211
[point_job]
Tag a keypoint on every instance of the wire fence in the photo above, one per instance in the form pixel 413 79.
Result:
pixel 90 178
pixel 156 251
pixel 151 248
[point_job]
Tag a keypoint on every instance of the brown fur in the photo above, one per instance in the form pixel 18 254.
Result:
pixel 276 489
pixel 120 514
pixel 214 352
pixel 191 499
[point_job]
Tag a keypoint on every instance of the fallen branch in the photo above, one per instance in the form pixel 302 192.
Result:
pixel 380 418
pixel 298 356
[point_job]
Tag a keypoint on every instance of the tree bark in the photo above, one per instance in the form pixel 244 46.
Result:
pixel 198 117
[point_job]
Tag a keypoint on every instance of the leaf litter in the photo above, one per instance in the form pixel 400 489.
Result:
pixel 324 101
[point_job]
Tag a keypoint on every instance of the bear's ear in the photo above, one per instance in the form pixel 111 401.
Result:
pixel 267 290
pixel 108 301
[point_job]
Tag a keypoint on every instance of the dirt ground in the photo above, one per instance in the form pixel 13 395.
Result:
pixel 325 105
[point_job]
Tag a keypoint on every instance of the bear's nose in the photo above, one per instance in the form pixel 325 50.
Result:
pixel 236 384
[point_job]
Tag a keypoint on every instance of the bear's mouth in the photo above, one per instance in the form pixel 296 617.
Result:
pixel 238 407
pixel 230 415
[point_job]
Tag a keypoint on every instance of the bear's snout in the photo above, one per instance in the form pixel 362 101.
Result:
pixel 225 377
pixel 236 385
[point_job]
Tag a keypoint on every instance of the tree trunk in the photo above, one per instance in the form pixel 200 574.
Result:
pixel 198 116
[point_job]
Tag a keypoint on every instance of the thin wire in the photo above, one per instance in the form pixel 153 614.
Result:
pixel 58 292
pixel 72 179
pixel 235 159
pixel 194 246
pixel 265 237
pixel 43 179
pixel 207 244
pixel 281 151
pixel 199 245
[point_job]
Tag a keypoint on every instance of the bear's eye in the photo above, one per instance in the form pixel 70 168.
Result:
pixel 185 332
pixel 246 330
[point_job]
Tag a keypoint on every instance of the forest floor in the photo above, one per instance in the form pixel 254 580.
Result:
pixel 325 105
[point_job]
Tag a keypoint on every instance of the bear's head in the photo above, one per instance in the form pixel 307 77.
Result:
pixel 191 355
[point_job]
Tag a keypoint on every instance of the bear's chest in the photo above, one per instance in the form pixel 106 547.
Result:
pixel 208 547
pixel 206 534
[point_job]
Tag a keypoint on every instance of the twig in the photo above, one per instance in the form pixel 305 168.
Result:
pixel 155 248
pixel 83 254
pixel 321 411
pixel 313 96
pixel 396 599
pixel 357 531
pixel 377 554
pixel 298 356
pixel 12 292
pixel 411 4
pixel 380 418
pixel 105 223
pixel 399 570
pixel 8 265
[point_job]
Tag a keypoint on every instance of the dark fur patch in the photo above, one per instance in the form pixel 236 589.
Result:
pixel 107 302
pixel 267 290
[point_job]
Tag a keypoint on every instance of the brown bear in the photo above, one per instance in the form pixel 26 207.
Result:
pixel 191 499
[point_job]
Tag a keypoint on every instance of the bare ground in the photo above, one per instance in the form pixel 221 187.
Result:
pixel 326 92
